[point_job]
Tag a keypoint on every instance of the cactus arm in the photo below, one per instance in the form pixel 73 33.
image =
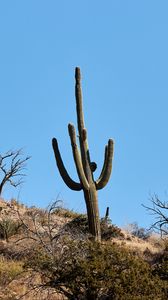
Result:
pixel 63 172
pixel 77 157
pixel 107 167
pixel 104 164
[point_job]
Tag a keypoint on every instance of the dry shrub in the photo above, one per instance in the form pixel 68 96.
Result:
pixel 66 213
pixel 8 228
pixel 9 270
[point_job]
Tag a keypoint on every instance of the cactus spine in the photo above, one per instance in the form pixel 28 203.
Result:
pixel 84 166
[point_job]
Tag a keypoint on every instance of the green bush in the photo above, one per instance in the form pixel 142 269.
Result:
pixel 87 270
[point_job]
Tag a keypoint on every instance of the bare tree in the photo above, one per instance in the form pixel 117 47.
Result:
pixel 11 168
pixel 159 209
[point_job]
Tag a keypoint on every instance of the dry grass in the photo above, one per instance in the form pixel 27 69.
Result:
pixel 146 248
pixel 9 270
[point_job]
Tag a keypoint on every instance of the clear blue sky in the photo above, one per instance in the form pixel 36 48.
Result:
pixel 122 49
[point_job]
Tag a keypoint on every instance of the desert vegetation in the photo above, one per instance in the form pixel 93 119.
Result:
pixel 51 255
pixel 56 253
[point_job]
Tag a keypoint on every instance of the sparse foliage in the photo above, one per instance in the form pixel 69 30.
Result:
pixel 11 168
pixel 159 209
pixel 42 227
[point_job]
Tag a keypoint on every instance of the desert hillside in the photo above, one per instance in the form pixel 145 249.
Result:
pixel 37 246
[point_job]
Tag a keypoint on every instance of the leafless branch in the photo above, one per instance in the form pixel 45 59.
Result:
pixel 12 166
pixel 159 209
pixel 42 228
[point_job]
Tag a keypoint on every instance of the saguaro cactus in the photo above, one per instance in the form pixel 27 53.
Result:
pixel 84 166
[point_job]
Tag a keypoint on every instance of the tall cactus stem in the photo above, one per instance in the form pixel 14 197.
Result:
pixel 85 168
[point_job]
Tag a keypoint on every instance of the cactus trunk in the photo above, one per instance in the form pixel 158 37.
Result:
pixel 84 166
pixel 91 199
pixel 90 194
